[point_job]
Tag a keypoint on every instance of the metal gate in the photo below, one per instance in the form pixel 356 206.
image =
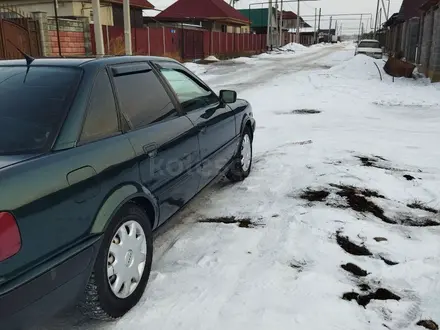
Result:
pixel 18 31
pixel 192 44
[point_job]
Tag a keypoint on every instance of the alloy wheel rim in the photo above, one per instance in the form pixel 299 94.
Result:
pixel 126 259
pixel 246 153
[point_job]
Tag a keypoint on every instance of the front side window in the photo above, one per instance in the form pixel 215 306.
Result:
pixel 34 106
pixel 143 99
pixel 191 94
pixel 102 119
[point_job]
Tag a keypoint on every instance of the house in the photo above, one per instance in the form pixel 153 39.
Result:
pixel 428 54
pixel 290 19
pixel 213 15
pixel 259 19
pixel 111 10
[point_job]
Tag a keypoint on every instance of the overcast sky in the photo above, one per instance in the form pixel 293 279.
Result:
pixel 349 23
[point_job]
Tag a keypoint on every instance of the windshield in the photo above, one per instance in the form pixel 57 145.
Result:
pixel 32 110
pixel 369 44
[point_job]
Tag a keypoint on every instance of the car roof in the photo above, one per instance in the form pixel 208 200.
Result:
pixel 83 62
pixel 369 40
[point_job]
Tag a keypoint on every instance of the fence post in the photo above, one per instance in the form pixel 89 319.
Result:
pixel 88 37
pixel 163 37
pixel 226 41
pixel 43 31
pixel 210 44
pixel 149 45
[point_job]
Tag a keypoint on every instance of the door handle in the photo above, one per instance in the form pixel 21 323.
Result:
pixel 150 150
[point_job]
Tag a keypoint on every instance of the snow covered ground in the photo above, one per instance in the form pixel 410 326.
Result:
pixel 346 173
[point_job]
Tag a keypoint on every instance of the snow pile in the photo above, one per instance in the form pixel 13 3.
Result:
pixel 359 67
pixel 244 59
pixel 212 58
pixel 294 47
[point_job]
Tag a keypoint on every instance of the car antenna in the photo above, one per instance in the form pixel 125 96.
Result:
pixel 29 59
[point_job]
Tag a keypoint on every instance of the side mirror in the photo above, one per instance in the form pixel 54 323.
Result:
pixel 228 96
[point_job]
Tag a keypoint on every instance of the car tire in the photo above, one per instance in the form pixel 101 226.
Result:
pixel 241 167
pixel 102 300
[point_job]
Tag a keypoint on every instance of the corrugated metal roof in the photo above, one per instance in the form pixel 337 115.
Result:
pixel 429 4
pixel 257 16
pixel 211 9
pixel 410 9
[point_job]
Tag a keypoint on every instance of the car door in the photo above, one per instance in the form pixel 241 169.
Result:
pixel 214 121
pixel 164 140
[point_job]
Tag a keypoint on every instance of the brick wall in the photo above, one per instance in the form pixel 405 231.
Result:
pixel 72 37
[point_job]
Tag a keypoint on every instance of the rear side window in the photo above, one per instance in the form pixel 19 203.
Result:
pixel 33 106
pixel 369 44
pixel 143 100
pixel 102 119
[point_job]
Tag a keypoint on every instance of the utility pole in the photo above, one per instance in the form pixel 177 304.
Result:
pixel 314 33
pixel 360 27
pixel 377 13
pixel 330 30
pixel 98 28
pixel 298 18
pixel 281 24
pixel 127 27
pixel 277 22
pixel 388 10
pixel 269 25
pixel 55 7
pixel 380 18
pixel 319 23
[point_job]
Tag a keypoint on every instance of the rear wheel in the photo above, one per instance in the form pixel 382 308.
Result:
pixel 241 168
pixel 122 267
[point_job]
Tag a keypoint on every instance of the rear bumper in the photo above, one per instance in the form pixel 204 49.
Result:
pixel 25 302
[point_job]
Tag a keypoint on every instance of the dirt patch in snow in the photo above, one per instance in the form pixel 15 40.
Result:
pixel 377 162
pixel 428 324
pixel 364 287
pixel 298 265
pixel 388 262
pixel 380 239
pixel 364 300
pixel 409 177
pixel 241 222
pixel 357 201
pixel 420 206
pixel 354 269
pixel 415 221
pixel 305 112
pixel 350 247
pixel 314 195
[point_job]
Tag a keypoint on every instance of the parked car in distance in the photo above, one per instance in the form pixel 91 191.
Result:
pixel 370 48
pixel 95 154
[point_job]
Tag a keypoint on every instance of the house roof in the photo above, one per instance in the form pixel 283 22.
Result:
pixel 259 16
pixel 215 10
pixel 288 15
pixel 410 9
pixel 429 4
pixel 393 20
pixel 144 4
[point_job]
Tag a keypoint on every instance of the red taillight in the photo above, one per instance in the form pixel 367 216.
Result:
pixel 10 240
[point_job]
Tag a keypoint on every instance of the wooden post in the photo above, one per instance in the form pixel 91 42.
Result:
pixel 149 44
pixel 163 37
